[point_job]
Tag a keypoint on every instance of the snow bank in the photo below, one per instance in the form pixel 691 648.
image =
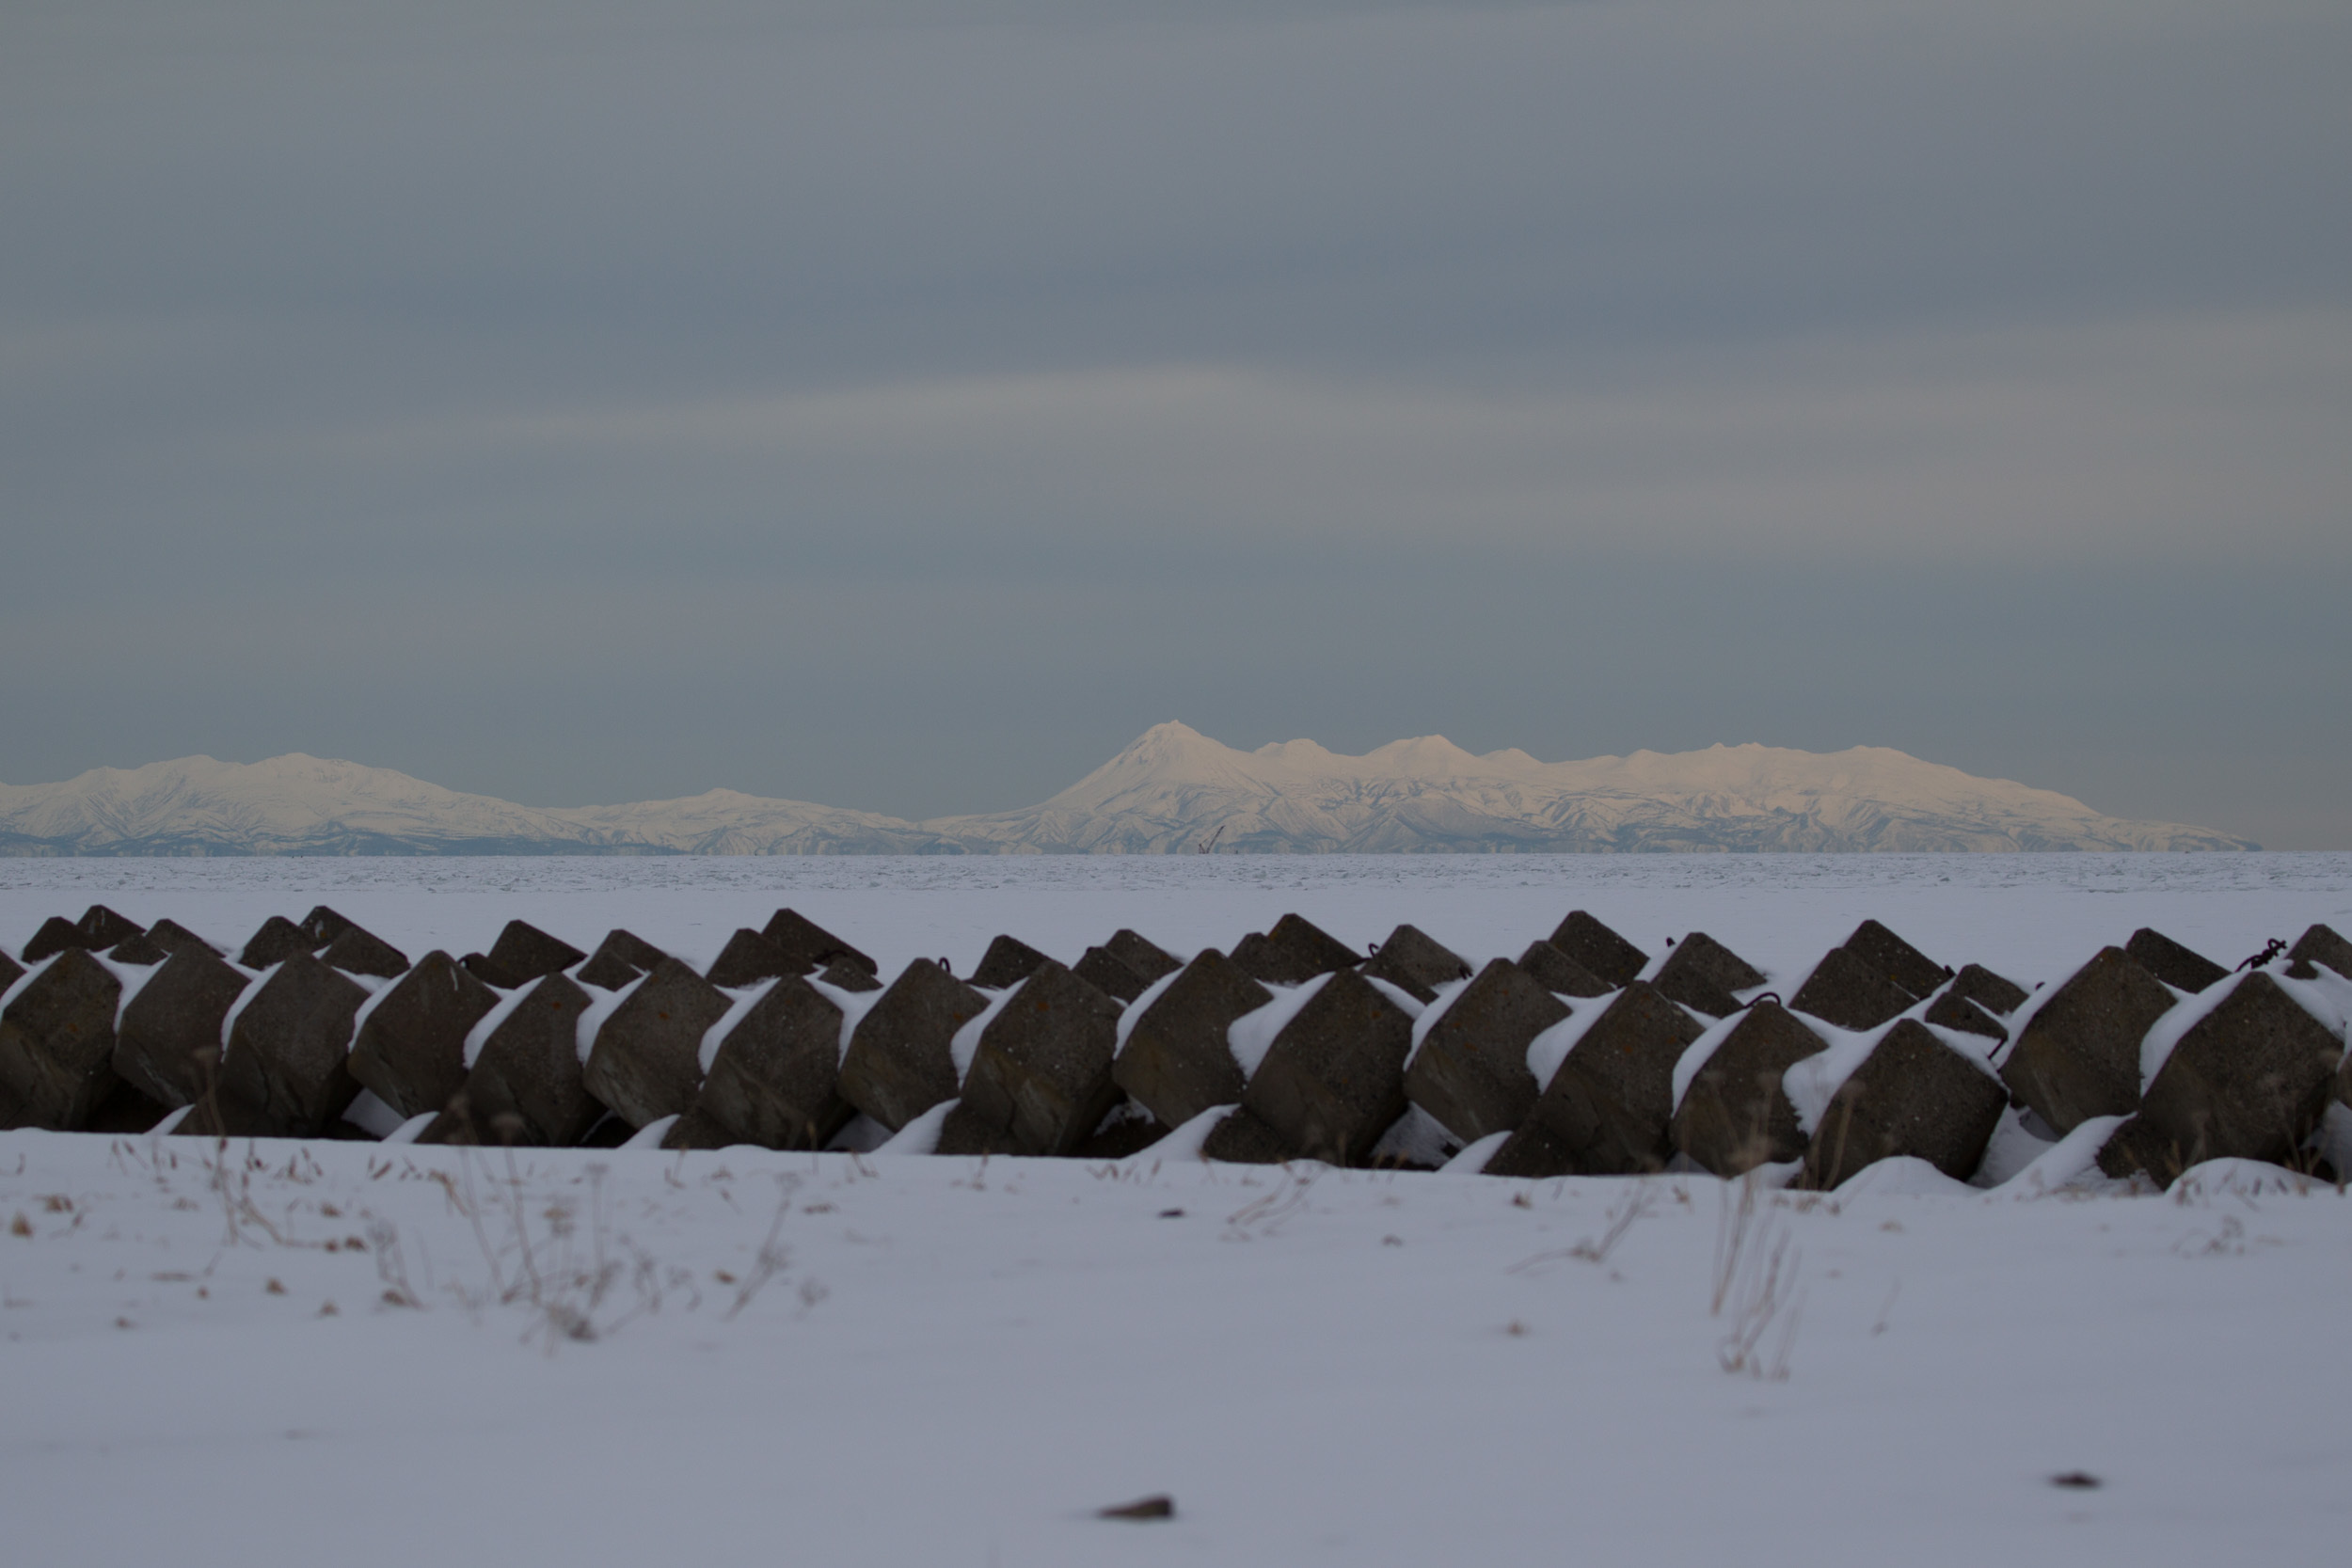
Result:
pixel 2012 1148
pixel 2242 1179
pixel 2068 1163
pixel 1903 1176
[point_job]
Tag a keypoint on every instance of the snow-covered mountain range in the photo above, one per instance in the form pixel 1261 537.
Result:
pixel 1170 792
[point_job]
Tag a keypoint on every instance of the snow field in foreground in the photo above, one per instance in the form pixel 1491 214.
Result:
pixel 955 1361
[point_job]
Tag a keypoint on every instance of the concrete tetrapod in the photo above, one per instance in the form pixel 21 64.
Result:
pixel 1146 958
pixel 1256 958
pixel 2319 945
pixel 102 928
pixel 285 1073
pixel 843 975
pixel 409 1051
pixel 2078 1056
pixel 1041 1074
pixel 1470 1069
pixel 775 1080
pixel 2248 1080
pixel 748 958
pixel 141 950
pixel 1416 964
pixel 1996 994
pixel 1105 972
pixel 1601 950
pixel 523 953
pixel 1976 1001
pixel 1007 962
pixel 1314 946
pixel 1851 992
pixel 1333 1078
pixel 1291 952
pixel 1736 1116
pixel 1950 1011
pixel 964 1131
pixel 1913 1095
pixel 171 936
pixel 355 951
pixel 526 1085
pixel 2179 967
pixel 1243 1139
pixel 808 946
pixel 57 1044
pixel 1703 955
pixel 1697 974
pixel 1175 1061
pixel 646 1061
pixel 1607 1110
pixel 1892 957
pixel 620 958
pixel 55 935
pixel 278 939
pixel 898 1064
pixel 167 1041
pixel 1559 974
pixel 322 926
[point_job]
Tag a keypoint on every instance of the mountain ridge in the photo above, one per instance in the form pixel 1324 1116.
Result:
pixel 1166 792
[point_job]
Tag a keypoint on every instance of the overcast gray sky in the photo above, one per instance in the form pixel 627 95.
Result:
pixel 904 405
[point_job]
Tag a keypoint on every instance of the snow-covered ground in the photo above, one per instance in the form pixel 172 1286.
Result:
pixel 946 1361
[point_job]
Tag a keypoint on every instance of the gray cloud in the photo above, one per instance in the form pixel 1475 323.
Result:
pixel 902 407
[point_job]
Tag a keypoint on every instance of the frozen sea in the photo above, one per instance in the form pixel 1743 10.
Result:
pixel 2033 917
pixel 292 1353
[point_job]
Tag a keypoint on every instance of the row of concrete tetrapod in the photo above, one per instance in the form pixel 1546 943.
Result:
pixel 1584 1055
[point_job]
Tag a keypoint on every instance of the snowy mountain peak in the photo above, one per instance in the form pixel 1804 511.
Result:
pixel 1170 791
pixel 1428 756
